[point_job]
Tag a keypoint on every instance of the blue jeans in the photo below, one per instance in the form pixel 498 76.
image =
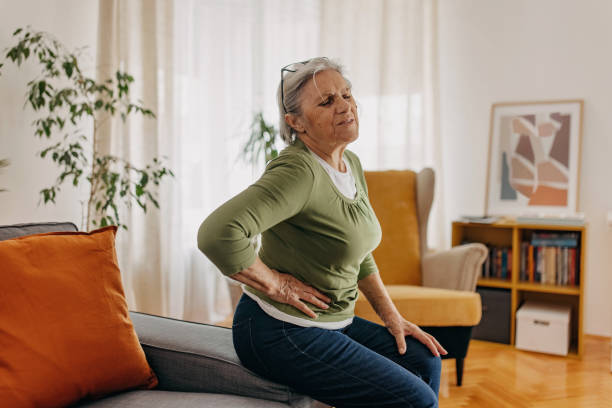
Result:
pixel 357 366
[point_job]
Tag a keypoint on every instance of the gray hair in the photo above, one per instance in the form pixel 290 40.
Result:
pixel 295 77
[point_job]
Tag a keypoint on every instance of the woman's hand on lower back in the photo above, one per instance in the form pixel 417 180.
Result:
pixel 282 287
pixel 400 327
pixel 292 291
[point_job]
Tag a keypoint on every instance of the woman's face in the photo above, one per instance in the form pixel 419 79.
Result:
pixel 329 113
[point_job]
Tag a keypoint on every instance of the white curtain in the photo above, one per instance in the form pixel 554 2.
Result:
pixel 205 67
pixel 389 48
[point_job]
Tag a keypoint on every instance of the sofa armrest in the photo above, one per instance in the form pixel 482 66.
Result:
pixel 194 357
pixel 457 268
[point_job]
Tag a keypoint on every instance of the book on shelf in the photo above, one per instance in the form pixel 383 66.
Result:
pixel 527 253
pixel 524 257
pixel 510 264
pixel 498 264
pixel 555 239
pixel 547 258
pixel 553 265
pixel 550 265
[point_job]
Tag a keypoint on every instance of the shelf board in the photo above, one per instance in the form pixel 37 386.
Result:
pixel 482 224
pixel 526 226
pixel 539 287
pixel 494 283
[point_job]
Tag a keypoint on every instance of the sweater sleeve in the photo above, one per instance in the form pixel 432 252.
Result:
pixel 281 192
pixel 368 266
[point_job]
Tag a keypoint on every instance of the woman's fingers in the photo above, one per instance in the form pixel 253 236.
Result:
pixel 411 329
pixel 314 294
pixel 432 347
pixel 309 289
pixel 301 306
pixel 441 349
pixel 309 297
pixel 424 338
pixel 427 339
pixel 400 339
pixel 293 290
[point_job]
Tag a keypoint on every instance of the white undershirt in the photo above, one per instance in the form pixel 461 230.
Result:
pixel 344 182
pixel 298 321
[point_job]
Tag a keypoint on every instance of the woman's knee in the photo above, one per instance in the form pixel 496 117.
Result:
pixel 428 400
pixel 432 366
pixel 430 373
pixel 421 361
pixel 421 395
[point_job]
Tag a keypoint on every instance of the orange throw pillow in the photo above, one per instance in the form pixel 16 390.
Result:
pixel 65 331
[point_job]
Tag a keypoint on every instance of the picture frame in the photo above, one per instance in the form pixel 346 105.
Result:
pixel 533 165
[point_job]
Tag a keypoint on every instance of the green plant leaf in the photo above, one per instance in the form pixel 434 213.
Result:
pixel 68 68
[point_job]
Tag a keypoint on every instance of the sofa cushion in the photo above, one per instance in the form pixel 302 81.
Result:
pixel 18 230
pixel 194 357
pixel 65 331
pixel 428 306
pixel 169 399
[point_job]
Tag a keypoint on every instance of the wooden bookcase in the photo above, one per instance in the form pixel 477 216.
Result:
pixel 511 234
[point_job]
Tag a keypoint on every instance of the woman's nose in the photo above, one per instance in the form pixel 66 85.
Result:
pixel 343 105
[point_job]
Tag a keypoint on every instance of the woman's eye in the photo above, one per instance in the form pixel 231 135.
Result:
pixel 347 96
pixel 325 102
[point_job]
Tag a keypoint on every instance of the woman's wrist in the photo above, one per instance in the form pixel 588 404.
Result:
pixel 273 283
pixel 391 317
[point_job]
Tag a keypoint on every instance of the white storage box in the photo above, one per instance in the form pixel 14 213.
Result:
pixel 543 327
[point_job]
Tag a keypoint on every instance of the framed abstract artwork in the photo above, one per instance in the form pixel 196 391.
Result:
pixel 534 158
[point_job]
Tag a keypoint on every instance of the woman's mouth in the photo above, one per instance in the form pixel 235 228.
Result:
pixel 347 122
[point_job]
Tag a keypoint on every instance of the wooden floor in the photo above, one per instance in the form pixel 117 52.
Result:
pixel 500 376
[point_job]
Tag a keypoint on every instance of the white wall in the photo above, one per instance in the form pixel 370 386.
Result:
pixel 74 23
pixel 522 50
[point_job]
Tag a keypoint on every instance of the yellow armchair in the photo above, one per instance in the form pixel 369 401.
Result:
pixel 433 289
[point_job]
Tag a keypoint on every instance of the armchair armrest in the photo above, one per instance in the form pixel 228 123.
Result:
pixel 457 268
pixel 194 357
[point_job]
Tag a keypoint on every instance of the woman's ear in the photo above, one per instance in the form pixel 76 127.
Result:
pixel 294 122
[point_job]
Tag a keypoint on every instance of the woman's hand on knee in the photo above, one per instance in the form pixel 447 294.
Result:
pixel 400 328
pixel 292 291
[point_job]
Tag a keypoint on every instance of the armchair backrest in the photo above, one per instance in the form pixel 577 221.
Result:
pixel 401 200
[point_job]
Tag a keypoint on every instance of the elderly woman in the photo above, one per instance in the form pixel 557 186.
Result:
pixel 295 323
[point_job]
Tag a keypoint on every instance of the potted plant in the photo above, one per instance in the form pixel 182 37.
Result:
pixel 65 97
pixel 262 141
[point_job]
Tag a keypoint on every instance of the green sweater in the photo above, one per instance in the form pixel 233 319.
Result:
pixel 308 229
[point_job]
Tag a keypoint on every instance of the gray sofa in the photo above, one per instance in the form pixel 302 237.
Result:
pixel 195 363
